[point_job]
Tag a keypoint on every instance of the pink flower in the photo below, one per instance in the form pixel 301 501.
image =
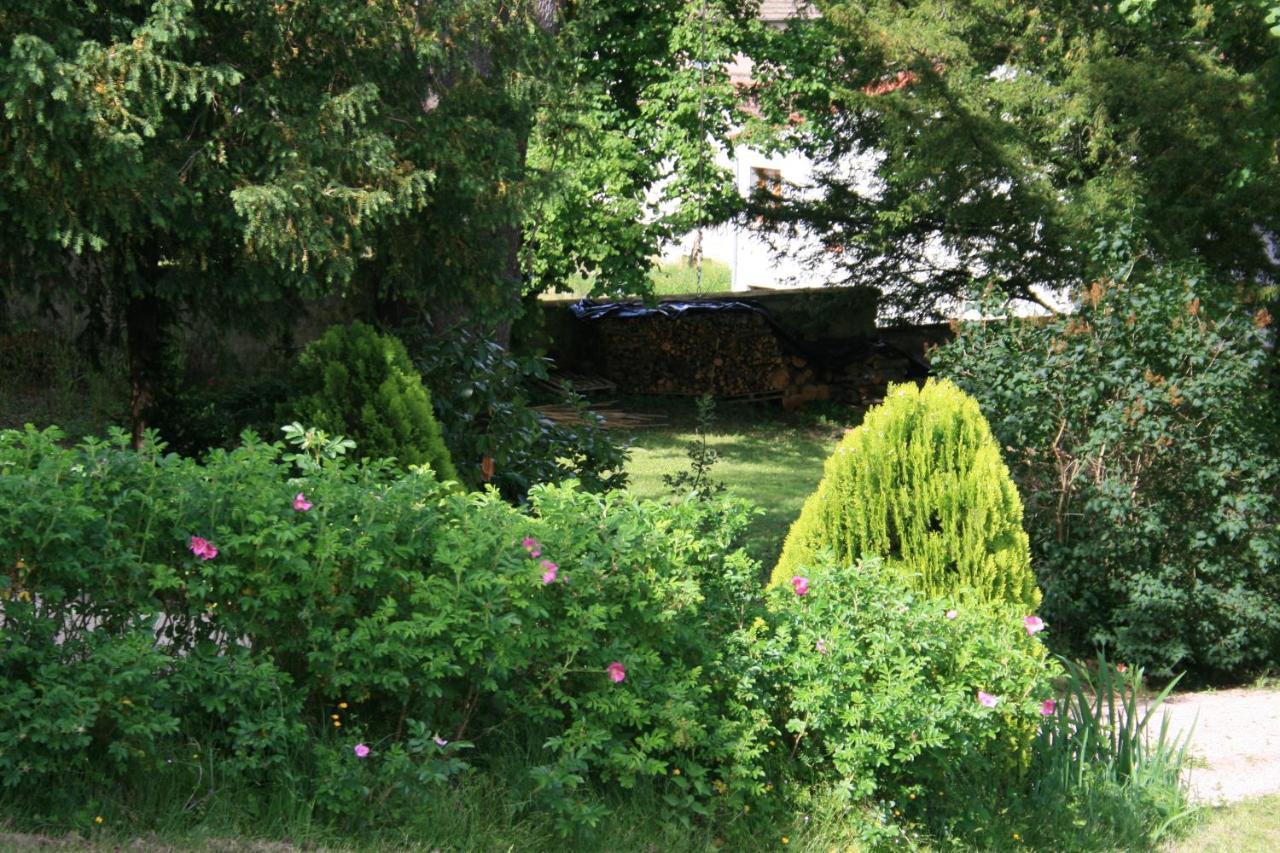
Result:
pixel 801 585
pixel 362 751
pixel 821 646
pixel 532 546
pixel 986 700
pixel 1033 624
pixel 300 502
pixel 549 576
pixel 203 548
pixel 439 741
pixel 951 614
pixel 616 671
pixel 1047 707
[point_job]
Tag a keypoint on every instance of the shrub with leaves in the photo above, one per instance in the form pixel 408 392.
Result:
pixel 1137 431
pixel 287 611
pixel 895 695
pixel 697 480
pixel 483 397
pixel 361 384
pixel 921 485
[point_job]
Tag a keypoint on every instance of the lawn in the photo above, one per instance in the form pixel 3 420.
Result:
pixel 1248 827
pixel 770 457
pixel 673 278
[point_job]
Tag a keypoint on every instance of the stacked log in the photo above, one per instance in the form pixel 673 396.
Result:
pixel 732 355
pixel 738 355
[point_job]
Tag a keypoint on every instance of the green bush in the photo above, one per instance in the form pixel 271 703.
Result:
pixel 261 618
pixel 486 410
pixel 356 382
pixel 921 485
pixel 273 633
pixel 883 688
pixel 1136 432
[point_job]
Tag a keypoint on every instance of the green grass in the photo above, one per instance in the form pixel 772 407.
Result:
pixel 673 279
pixel 1248 827
pixel 770 457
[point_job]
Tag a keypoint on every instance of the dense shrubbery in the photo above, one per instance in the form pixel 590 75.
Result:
pixel 1137 432
pixel 357 382
pixel 482 398
pixel 368 643
pixel 921 484
pixel 884 686
pixel 251 607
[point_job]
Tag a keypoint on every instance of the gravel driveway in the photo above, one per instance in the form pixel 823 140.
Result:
pixel 1235 744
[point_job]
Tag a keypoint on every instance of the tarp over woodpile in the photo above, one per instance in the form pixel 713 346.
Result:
pixel 734 348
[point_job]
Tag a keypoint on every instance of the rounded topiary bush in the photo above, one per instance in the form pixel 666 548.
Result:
pixel 361 384
pixel 921 485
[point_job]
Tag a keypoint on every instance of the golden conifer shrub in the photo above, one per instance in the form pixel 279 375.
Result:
pixel 920 484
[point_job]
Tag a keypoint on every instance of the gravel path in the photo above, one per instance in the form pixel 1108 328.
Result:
pixel 1235 744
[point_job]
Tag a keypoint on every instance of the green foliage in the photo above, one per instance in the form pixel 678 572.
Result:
pixel 356 382
pixel 486 409
pixel 991 138
pixel 1105 776
pixel 1138 433
pixel 666 279
pixel 702 458
pixel 219 643
pixel 628 147
pixel 882 684
pixel 362 605
pixel 920 484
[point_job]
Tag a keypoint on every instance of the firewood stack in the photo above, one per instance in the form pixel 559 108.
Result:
pixel 727 354
pixel 735 355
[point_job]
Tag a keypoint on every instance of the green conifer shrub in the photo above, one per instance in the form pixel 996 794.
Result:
pixel 920 484
pixel 362 384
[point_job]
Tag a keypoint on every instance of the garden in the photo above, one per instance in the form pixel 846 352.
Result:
pixel 311 539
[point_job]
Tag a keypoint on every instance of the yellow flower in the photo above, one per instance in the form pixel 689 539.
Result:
pixel 675 772
pixel 98 819
pixel 342 705
pixel 334 717
pixel 786 840
pixel 337 724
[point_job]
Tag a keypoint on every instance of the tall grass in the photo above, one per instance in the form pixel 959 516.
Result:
pixel 1102 759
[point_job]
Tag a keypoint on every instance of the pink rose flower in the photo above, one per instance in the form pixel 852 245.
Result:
pixel 801 585
pixel 1033 624
pixel 300 502
pixel 532 546
pixel 1048 707
pixel 616 671
pixel 203 548
pixel 951 614
pixel 439 741
pixel 821 646
pixel 549 573
pixel 986 700
pixel 361 751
